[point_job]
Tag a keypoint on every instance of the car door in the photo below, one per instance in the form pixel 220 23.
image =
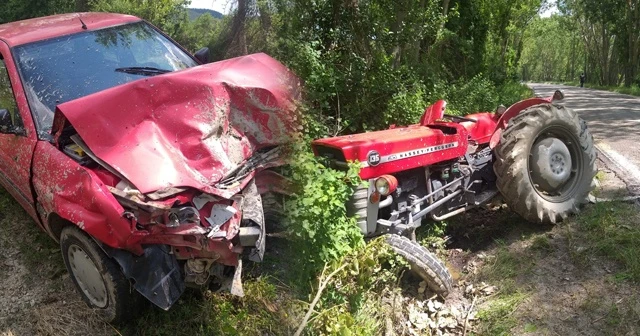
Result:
pixel 17 134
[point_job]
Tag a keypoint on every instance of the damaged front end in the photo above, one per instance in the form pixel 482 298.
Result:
pixel 185 166
pixel 188 237
pixel 192 239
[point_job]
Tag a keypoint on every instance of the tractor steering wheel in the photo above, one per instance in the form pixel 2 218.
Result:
pixel 459 119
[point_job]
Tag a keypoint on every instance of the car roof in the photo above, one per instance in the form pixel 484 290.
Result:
pixel 31 30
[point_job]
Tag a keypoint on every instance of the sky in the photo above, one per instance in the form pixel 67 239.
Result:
pixel 553 8
pixel 221 6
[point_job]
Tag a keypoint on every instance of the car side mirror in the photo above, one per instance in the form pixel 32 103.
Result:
pixel 203 55
pixel 7 126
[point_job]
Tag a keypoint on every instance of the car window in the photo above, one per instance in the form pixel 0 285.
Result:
pixel 7 99
pixel 62 69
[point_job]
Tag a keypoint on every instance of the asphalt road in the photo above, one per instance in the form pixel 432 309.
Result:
pixel 614 121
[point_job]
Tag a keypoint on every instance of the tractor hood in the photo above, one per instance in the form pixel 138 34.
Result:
pixel 397 149
pixel 189 128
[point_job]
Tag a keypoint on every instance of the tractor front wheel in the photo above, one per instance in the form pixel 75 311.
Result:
pixel 423 263
pixel 545 163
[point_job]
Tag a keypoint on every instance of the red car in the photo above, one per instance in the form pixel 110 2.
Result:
pixel 146 164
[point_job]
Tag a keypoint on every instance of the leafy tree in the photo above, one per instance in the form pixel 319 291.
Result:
pixel 549 50
pixel 609 35
pixel 14 10
pixel 168 15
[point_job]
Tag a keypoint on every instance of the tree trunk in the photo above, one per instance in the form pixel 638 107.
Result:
pixel 445 11
pixel 631 64
pixel 397 50
pixel 242 32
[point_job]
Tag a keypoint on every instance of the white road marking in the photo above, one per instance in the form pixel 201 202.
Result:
pixel 619 160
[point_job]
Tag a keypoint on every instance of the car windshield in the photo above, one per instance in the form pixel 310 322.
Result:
pixel 69 67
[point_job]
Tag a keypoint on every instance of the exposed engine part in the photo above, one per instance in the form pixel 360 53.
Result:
pixel 183 215
pixel 77 153
pixel 472 147
pixel 197 271
pixel 441 191
pixel 407 184
pixel 78 141
pixel 476 168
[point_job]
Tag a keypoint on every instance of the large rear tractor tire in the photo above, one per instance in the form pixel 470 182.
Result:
pixel 545 163
pixel 423 263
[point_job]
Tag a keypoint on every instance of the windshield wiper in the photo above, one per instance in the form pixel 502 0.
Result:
pixel 145 71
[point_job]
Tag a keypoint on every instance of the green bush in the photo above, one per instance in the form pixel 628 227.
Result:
pixel 406 106
pixel 352 303
pixel 317 216
pixel 478 94
pixel 474 95
pixel 512 92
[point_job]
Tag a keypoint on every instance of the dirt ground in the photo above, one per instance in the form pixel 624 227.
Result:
pixel 543 276
pixel 36 295
pixel 526 280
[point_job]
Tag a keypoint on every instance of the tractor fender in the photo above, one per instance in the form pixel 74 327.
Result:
pixel 514 110
pixel 433 112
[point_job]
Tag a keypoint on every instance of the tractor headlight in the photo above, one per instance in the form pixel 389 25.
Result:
pixel 386 184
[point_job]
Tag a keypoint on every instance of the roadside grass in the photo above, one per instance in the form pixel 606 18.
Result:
pixel 272 303
pixel 612 230
pixel 498 317
pixel 352 303
pixel 632 91
pixel 262 311
pixel 541 244
pixel 609 230
pixel 502 270
pixel 35 245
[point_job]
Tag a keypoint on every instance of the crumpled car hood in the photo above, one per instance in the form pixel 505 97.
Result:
pixel 189 128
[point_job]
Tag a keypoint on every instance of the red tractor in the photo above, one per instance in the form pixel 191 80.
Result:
pixel 537 154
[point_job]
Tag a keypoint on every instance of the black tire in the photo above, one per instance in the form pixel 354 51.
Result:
pixel 121 299
pixel 424 263
pixel 525 184
pixel 357 206
pixel 273 207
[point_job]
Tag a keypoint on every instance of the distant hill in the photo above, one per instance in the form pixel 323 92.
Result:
pixel 194 13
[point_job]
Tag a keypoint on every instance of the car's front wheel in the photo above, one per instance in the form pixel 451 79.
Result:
pixel 98 279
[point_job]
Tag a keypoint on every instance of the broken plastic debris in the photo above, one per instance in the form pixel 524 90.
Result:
pixel 201 200
pixel 220 214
